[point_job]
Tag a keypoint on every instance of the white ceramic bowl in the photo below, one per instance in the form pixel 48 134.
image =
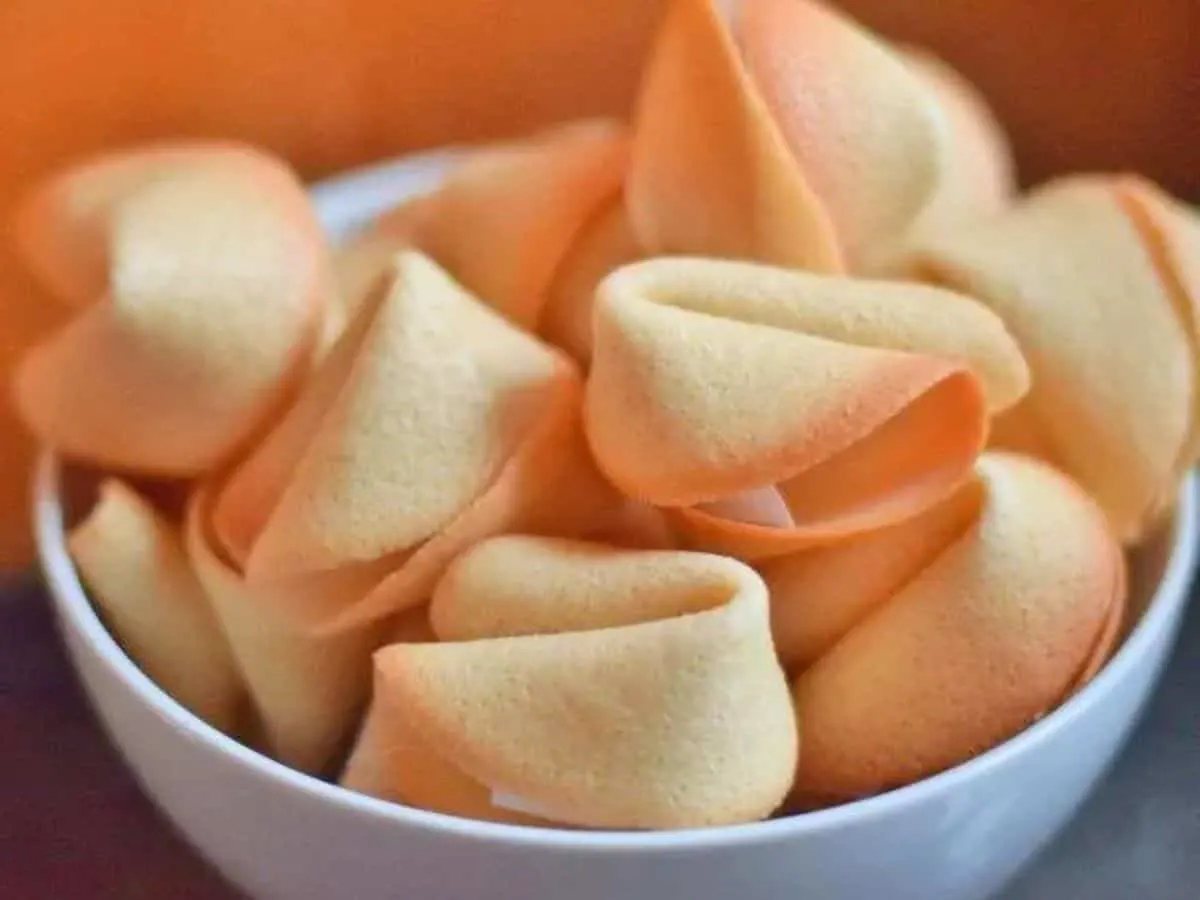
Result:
pixel 281 835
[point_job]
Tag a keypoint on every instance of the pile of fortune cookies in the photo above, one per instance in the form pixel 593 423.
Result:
pixel 764 452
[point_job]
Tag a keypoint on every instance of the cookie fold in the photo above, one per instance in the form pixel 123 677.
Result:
pixel 978 176
pixel 603 688
pixel 305 688
pixel 772 411
pixel 790 136
pixel 604 244
pixel 819 595
pixel 432 424
pixel 62 226
pixel 982 641
pixel 201 281
pixel 710 171
pixel 1094 276
pixel 505 218
pixel 133 562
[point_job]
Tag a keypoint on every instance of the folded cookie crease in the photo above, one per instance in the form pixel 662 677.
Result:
pixel 305 689
pixel 133 562
pixel 978 177
pixel 1095 278
pixel 585 685
pixel 200 281
pixel 972 645
pixel 505 219
pixel 432 424
pixel 790 136
pixel 604 244
pixel 769 410
pixel 819 595
pixel 62 226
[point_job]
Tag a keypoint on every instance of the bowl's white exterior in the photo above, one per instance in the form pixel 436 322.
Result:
pixel 281 835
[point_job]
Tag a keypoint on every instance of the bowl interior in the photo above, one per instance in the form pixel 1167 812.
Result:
pixel 1160 570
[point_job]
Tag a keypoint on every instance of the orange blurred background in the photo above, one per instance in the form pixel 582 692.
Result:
pixel 1082 84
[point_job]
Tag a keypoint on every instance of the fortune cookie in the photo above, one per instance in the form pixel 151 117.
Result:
pixel 772 411
pixel 62 226
pixel 133 562
pixel 818 595
pixel 200 279
pixel 605 244
pixel 1096 278
pixel 431 424
pixel 305 689
pixel 995 631
pixel 585 685
pixel 978 176
pixel 505 218
pixel 792 137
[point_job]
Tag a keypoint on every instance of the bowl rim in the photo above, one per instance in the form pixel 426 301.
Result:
pixel 346 202
pixel 71 599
